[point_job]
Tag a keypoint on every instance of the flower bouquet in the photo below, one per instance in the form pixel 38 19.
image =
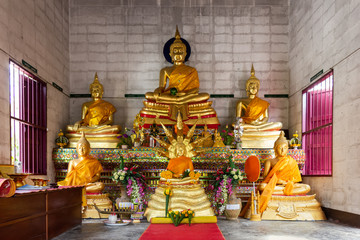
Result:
pixel 177 216
pixel 225 179
pixel 134 181
pixel 227 136
pixel 125 138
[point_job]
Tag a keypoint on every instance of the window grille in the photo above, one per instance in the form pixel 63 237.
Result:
pixel 317 126
pixel 28 121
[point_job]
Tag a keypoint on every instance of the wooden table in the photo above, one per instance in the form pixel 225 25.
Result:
pixel 40 214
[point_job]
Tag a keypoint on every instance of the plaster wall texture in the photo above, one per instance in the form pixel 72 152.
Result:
pixel 330 33
pixel 37 32
pixel 123 41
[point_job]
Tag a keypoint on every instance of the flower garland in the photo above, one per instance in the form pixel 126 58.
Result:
pixel 136 192
pixel 221 197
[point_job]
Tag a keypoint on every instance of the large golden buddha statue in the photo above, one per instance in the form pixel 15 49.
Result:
pixel 178 91
pixel 96 121
pixel 258 132
pixel 187 191
pixel 86 170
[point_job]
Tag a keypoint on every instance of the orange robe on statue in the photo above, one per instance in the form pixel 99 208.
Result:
pixel 99 112
pixel 179 165
pixel 82 174
pixel 255 109
pixel 183 78
pixel 285 169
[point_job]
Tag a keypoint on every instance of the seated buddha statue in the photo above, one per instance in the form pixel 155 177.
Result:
pixel 96 121
pixel 281 175
pixel 178 91
pixel 187 191
pixel 258 132
pixel 86 170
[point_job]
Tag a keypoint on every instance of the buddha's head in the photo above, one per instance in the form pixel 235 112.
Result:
pixel 252 84
pixel 83 146
pixel 96 88
pixel 180 149
pixel 281 146
pixel 177 49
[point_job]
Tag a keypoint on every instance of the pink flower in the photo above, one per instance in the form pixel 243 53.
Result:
pixel 125 168
pixel 231 134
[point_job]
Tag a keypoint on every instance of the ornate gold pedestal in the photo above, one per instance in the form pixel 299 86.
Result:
pixel 259 139
pixel 102 201
pixel 304 208
pixel 109 140
pixel 186 195
pixel 202 112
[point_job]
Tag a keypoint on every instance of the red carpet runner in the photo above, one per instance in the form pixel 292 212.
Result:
pixel 198 231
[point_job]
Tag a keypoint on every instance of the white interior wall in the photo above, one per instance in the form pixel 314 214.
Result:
pixel 36 31
pixel 324 35
pixel 123 41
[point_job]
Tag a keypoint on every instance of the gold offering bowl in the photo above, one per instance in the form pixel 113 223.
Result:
pixel 40 182
pixel 19 178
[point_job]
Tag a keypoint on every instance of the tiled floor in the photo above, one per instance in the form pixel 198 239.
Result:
pixel 240 229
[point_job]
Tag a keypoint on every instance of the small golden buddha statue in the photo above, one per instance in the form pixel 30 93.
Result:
pixel 258 132
pixel 208 142
pixel 96 121
pixel 85 170
pixel 281 175
pixel 218 142
pixel 178 91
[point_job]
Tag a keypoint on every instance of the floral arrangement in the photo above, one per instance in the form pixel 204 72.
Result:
pixel 227 136
pixel 168 193
pixel 177 216
pixel 225 179
pixel 125 137
pixel 134 181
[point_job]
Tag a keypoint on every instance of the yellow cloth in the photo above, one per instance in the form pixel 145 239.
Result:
pixel 82 174
pixel 99 112
pixel 180 164
pixel 285 169
pixel 184 79
pixel 255 109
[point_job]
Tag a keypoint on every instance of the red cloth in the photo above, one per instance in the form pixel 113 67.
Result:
pixel 198 231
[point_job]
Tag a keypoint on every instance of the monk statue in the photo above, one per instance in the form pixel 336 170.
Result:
pixel 96 121
pixel 281 175
pixel 258 132
pixel 85 170
pixel 178 91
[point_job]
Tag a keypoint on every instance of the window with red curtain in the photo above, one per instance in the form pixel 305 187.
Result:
pixel 28 121
pixel 317 126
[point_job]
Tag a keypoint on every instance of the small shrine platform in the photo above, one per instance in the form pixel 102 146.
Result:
pixel 151 164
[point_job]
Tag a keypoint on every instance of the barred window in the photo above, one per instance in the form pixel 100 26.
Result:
pixel 28 121
pixel 317 126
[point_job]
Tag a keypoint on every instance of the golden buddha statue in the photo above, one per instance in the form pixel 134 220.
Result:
pixel 218 142
pixel 187 192
pixel 282 196
pixel 281 175
pixel 96 121
pixel 178 91
pixel 258 132
pixel 208 142
pixel 86 171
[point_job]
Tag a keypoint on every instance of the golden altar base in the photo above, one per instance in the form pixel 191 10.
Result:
pixel 151 164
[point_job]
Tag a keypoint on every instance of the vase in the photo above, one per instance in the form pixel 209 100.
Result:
pixel 233 207
pixel 124 202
